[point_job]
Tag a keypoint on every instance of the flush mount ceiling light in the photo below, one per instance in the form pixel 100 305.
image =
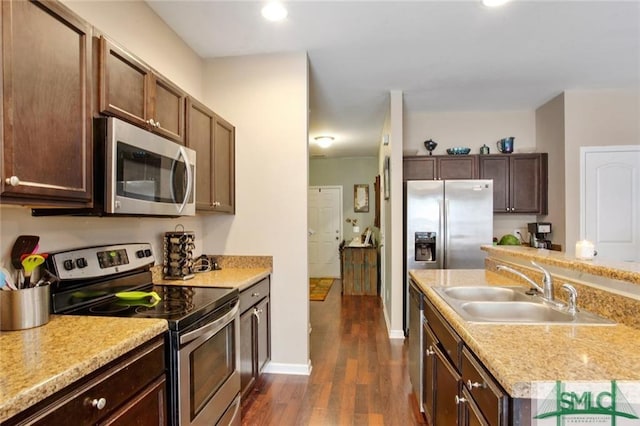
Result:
pixel 324 141
pixel 274 11
pixel 494 3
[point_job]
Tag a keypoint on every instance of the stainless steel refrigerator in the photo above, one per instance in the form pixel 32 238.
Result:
pixel 446 222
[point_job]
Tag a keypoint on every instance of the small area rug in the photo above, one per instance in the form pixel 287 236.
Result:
pixel 319 288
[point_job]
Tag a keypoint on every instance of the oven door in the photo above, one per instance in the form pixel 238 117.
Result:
pixel 208 370
pixel 147 174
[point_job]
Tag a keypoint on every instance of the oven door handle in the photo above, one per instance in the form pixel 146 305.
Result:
pixel 211 328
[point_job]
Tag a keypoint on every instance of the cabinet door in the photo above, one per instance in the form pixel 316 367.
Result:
pixel 528 183
pixel 428 372
pixel 46 109
pixel 446 386
pixel 262 317
pixel 148 408
pixel 248 371
pixel 124 84
pixel 458 167
pixel 471 415
pixel 419 168
pixel 496 167
pixel 166 105
pixel 200 125
pixel 224 182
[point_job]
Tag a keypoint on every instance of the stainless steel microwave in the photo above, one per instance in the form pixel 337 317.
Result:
pixel 137 173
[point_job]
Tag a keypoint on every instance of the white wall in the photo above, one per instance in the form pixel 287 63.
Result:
pixel 395 238
pixel 471 129
pixel 594 118
pixel 550 139
pixel 346 172
pixel 266 98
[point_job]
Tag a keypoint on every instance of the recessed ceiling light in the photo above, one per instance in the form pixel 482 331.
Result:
pixel 274 11
pixel 494 3
pixel 324 141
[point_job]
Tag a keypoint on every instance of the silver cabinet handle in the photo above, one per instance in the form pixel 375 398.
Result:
pixel 157 124
pixel 216 203
pixel 98 403
pixel 507 209
pixel 460 400
pixel 472 385
pixel 13 181
pixel 256 294
pixel 429 351
pixel 151 123
pixel 256 313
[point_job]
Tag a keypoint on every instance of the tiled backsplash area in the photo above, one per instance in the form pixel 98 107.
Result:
pixel 227 261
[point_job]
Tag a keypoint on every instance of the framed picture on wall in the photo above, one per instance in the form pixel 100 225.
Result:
pixel 361 198
pixel 387 183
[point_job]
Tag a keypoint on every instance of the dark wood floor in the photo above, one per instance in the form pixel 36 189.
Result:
pixel 359 375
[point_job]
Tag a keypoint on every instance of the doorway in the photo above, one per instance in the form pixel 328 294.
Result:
pixel 610 200
pixel 325 231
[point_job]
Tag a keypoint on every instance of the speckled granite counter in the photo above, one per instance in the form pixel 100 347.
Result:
pixel 623 271
pixel 519 355
pixel 38 362
pixel 239 278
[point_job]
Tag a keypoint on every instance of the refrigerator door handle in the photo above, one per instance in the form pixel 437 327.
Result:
pixel 442 249
pixel 447 233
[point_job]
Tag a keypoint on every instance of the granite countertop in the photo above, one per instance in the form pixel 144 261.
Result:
pixel 38 362
pixel 614 269
pixel 521 355
pixel 239 278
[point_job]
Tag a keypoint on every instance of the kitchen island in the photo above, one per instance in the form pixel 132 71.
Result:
pixel 519 356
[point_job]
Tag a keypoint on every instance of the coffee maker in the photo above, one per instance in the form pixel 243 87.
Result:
pixel 538 234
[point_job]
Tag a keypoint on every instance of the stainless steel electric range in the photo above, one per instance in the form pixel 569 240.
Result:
pixel 203 339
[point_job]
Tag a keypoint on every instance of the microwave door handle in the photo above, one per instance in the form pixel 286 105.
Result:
pixel 187 165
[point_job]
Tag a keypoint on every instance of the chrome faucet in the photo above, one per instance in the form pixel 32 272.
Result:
pixel 547 283
pixel 572 304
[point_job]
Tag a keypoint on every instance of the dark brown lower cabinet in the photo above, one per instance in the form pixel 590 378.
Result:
pixel 457 388
pixel 129 391
pixel 255 333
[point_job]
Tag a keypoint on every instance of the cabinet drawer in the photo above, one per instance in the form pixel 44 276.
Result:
pixel 254 294
pixel 447 338
pixel 488 395
pixel 117 385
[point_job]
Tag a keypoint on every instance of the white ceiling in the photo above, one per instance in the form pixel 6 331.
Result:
pixel 443 55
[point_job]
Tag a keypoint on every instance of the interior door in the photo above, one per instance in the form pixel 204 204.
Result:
pixel 325 231
pixel 610 205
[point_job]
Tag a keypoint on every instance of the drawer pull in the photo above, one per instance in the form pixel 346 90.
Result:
pixel 460 400
pixel 429 351
pixel 472 385
pixel 13 181
pixel 256 294
pixel 99 403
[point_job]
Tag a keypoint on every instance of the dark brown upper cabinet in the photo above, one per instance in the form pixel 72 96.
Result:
pixel 213 139
pixel 519 182
pixel 46 105
pixel 436 167
pixel 131 90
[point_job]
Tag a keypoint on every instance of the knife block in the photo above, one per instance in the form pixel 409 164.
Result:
pixel 178 255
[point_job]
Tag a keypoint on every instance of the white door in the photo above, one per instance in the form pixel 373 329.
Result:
pixel 325 231
pixel 610 205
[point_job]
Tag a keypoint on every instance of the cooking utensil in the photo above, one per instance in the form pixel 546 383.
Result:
pixel 8 279
pixel 137 295
pixel 30 263
pixel 25 244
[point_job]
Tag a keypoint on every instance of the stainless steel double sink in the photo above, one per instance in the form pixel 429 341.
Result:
pixel 510 305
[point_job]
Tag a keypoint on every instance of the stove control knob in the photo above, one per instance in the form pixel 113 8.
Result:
pixel 140 254
pixel 147 253
pixel 68 264
pixel 81 262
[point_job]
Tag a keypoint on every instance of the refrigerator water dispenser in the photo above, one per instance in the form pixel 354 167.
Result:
pixel 425 246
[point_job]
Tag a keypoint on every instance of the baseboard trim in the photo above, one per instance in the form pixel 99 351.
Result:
pixel 282 368
pixel 393 334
